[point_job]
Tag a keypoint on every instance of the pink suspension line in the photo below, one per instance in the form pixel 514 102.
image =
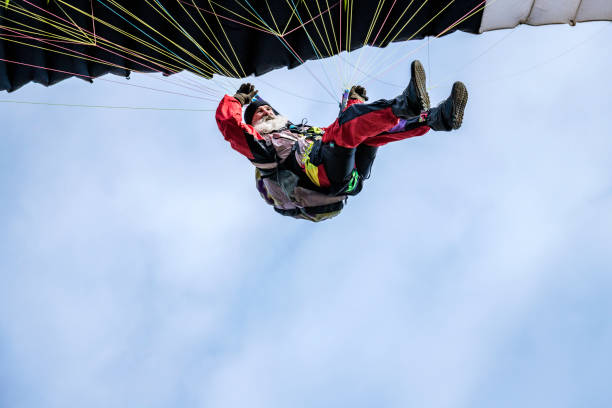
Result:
pixel 102 79
pixel 20 35
pixel 159 90
pixel 290 47
pixel 49 69
pixel 340 29
pixel 225 18
pixel 65 48
pixel 96 59
pixel 128 51
pixel 123 56
pixel 93 22
pixel 459 21
pixel 315 17
pixel 104 39
pixel 383 24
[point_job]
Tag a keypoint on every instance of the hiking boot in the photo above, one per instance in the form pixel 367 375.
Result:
pixel 414 99
pixel 449 114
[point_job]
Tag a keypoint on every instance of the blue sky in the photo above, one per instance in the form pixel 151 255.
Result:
pixel 140 268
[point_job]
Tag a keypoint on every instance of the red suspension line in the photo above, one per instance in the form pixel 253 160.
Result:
pixel 317 16
pixel 383 24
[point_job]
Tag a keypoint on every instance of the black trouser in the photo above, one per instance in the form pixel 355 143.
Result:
pixel 339 162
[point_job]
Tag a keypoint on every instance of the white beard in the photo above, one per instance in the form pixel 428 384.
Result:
pixel 267 125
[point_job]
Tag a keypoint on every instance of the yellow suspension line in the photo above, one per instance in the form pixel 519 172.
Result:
pixel 156 61
pixel 104 106
pixel 374 19
pixel 384 40
pixel 315 48
pixel 198 60
pixel 61 27
pixel 216 44
pixel 185 83
pixel 263 25
pixel 226 72
pixel 293 14
pixel 384 60
pixel 349 34
pixel 223 70
pixel 424 25
pixel 39 33
pixel 331 23
pixel 272 15
pixel 370 30
pixel 135 39
pixel 338 60
pixel 36 17
pixel 76 25
pixel 440 34
pixel 327 45
pixel 251 22
pixel 318 33
pixel 226 38
pixel 172 21
pixel 75 56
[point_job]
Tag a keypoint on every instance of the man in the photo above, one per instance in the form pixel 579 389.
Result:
pixel 306 172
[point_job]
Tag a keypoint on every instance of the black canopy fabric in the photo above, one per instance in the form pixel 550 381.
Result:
pixel 48 41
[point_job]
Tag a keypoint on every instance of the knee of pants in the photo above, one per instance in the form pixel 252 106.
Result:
pixel 364 159
pixel 339 162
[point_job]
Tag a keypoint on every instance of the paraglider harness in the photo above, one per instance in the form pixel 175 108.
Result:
pixel 286 182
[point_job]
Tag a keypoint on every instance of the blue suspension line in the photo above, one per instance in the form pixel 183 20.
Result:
pixel 188 35
pixel 153 39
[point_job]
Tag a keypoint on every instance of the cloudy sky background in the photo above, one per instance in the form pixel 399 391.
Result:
pixel 140 268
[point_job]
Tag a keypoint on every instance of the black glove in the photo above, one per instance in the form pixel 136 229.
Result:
pixel 358 92
pixel 245 93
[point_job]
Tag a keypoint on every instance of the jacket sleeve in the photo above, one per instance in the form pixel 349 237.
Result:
pixel 242 137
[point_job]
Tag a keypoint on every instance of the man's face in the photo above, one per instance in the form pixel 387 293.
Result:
pixel 264 112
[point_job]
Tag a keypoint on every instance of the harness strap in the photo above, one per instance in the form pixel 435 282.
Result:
pixel 312 211
pixel 312 171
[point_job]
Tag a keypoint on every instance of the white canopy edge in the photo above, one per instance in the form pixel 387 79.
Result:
pixel 510 13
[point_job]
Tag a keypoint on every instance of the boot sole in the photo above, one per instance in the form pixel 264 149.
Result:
pixel 418 73
pixel 460 98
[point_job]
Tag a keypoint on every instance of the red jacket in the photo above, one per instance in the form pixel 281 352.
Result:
pixel 242 137
pixel 264 151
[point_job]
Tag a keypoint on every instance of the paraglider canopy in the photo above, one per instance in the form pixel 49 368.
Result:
pixel 47 41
